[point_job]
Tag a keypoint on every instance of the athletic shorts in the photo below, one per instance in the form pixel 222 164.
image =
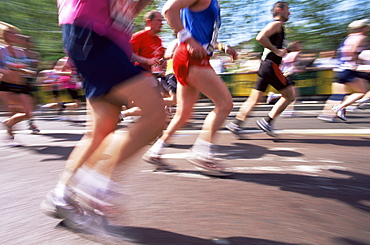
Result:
pixel 73 93
pixel 347 76
pixel 15 88
pixel 290 79
pixel 270 74
pixel 101 63
pixel 182 61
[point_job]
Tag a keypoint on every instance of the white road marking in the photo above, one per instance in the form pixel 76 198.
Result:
pixel 186 175
pixel 310 169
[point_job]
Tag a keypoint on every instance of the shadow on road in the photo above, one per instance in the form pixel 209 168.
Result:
pixel 60 137
pixel 152 236
pixel 362 142
pixel 353 190
pixel 60 152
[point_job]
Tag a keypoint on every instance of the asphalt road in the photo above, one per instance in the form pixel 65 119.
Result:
pixel 311 185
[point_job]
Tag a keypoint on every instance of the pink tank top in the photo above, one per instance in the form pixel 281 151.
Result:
pixel 94 15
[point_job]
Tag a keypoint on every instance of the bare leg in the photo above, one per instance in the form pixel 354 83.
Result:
pixel 249 104
pixel 339 89
pixel 287 97
pixel 360 86
pixel 206 81
pixel 186 97
pixel 26 103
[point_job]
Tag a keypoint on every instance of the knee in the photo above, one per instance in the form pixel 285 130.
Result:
pixel 291 98
pixel 225 106
pixel 99 134
pixel 228 106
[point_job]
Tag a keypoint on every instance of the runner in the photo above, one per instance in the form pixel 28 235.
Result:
pixel 272 37
pixel 148 55
pixel 348 76
pixel 197 23
pixel 99 46
pixel 14 90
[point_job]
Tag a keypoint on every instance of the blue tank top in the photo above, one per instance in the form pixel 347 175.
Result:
pixel 10 59
pixel 203 25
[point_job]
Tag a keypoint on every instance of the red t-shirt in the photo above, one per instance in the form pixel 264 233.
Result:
pixel 146 45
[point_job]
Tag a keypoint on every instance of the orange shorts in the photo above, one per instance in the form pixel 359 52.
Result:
pixel 182 60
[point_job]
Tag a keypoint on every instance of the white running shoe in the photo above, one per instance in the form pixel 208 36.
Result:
pixel 271 96
pixel 208 165
pixel 156 160
pixel 341 113
pixel 326 118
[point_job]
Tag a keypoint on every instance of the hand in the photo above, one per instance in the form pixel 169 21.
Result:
pixel 281 52
pixel 232 52
pixel 152 61
pixel 196 50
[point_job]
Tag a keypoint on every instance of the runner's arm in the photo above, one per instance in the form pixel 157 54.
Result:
pixel 171 11
pixel 264 37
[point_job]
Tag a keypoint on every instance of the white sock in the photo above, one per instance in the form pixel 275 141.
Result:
pixel 81 174
pixel 157 148
pixel 101 182
pixel 203 147
pixel 60 191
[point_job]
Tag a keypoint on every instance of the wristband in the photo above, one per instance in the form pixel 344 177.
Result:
pixel 220 46
pixel 183 35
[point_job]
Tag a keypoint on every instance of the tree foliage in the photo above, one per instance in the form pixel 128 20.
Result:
pixel 319 24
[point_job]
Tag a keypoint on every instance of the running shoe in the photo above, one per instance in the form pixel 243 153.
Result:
pixel 362 105
pixel 208 165
pixel 289 113
pixel 271 98
pixel 168 110
pixel 49 204
pixel 266 127
pixel 97 202
pixel 352 108
pixel 34 129
pixel 157 161
pixel 129 119
pixel 326 118
pixel 8 130
pixel 72 213
pixel 235 129
pixel 341 113
pixel 62 108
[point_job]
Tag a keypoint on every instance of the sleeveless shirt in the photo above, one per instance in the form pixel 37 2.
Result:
pixel 203 25
pixel 278 40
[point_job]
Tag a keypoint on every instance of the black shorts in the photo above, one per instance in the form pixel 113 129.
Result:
pixel 347 76
pixel 73 93
pixel 101 62
pixel 269 73
pixel 55 93
pixel 15 88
